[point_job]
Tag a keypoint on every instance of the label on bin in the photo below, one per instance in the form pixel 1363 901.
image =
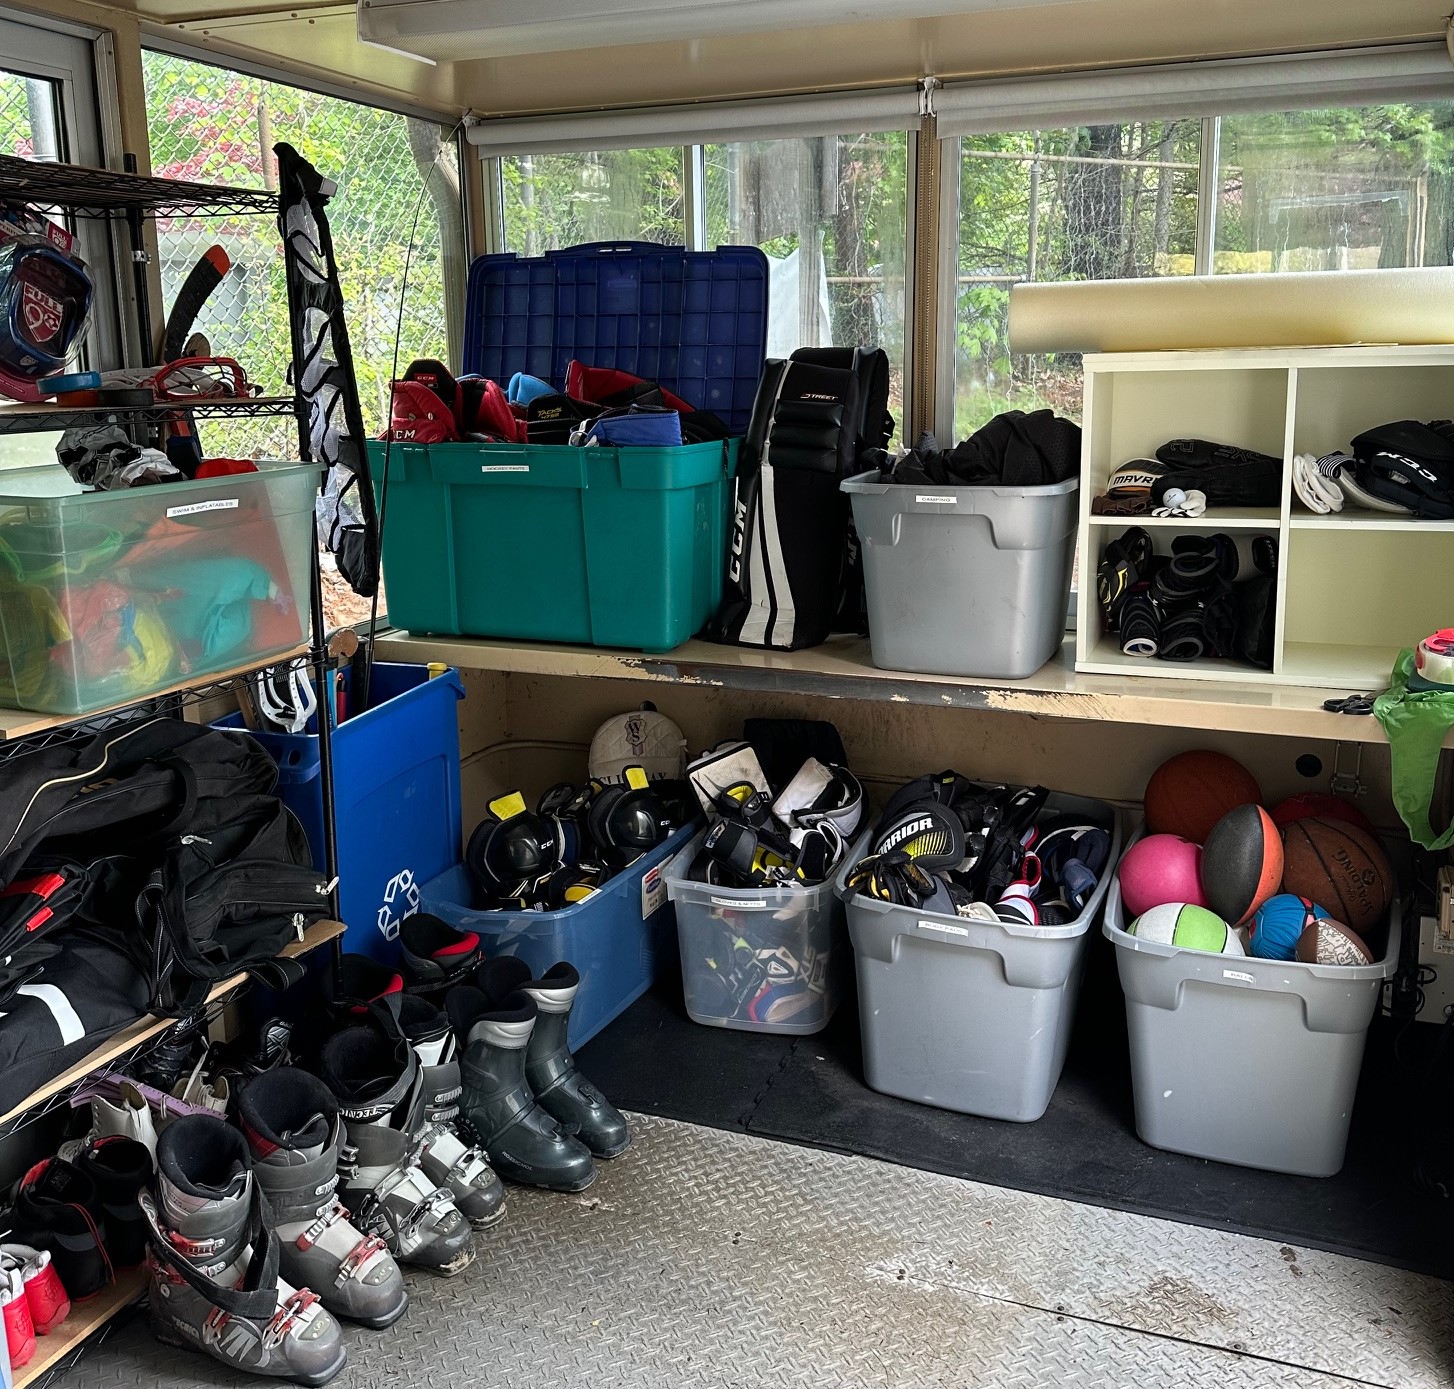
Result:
pixel 504 467
pixel 934 499
pixel 653 893
pixel 192 508
pixel 945 927
pixel 745 904
pixel 1239 975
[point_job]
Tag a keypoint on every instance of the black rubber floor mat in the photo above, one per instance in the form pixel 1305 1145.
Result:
pixel 810 1090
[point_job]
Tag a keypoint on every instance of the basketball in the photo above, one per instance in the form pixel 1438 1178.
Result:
pixel 1189 793
pixel 1191 928
pixel 1320 803
pixel 1241 863
pixel 1280 924
pixel 1334 862
pixel 1158 869
pixel 1331 943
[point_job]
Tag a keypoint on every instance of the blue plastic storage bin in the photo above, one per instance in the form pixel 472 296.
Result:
pixel 692 321
pixel 396 797
pixel 619 939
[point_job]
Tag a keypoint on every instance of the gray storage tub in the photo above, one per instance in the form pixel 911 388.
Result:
pixel 1241 1060
pixel 972 1016
pixel 965 580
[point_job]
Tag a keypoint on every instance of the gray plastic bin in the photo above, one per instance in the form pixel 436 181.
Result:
pixel 972 1016
pixel 1241 1060
pixel 770 959
pixel 965 580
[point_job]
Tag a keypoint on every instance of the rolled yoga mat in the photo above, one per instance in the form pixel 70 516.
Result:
pixel 1312 309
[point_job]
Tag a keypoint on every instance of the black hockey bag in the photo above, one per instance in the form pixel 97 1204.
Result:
pixel 814 417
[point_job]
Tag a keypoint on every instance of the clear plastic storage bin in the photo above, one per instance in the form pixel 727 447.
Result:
pixel 1242 1060
pixel 772 959
pixel 108 597
pixel 973 1016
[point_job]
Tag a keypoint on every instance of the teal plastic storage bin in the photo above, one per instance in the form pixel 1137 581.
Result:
pixel 601 546
pixel 619 938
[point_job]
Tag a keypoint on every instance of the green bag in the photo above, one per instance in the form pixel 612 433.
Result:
pixel 1417 722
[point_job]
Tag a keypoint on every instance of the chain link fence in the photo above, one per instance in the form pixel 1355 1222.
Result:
pixel 397 225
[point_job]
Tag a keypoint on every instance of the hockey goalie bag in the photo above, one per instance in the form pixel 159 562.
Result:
pixel 789 538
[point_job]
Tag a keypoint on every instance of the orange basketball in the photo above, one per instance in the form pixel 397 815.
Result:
pixel 1189 793
pixel 1338 864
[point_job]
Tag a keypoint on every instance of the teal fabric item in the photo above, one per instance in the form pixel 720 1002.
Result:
pixel 208 602
pixel 1417 722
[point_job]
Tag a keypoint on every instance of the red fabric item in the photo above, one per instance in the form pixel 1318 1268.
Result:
pixel 49 1302
pixel 487 410
pixel 225 467
pixel 418 416
pixel 596 385
pixel 19 1328
pixel 463 946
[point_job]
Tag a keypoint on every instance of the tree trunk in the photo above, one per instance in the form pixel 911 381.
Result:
pixel 1094 205
pixel 442 182
pixel 1165 186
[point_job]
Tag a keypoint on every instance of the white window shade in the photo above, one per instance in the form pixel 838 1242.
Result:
pixel 894 108
pixel 1411 72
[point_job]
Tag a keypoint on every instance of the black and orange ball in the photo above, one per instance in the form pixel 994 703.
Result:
pixel 1340 865
pixel 1242 863
pixel 1189 793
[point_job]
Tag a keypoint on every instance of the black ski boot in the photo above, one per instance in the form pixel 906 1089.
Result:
pixel 121 1168
pixel 550 1068
pixel 291 1122
pixel 58 1208
pixel 524 1142
pixel 444 1155
pixel 436 956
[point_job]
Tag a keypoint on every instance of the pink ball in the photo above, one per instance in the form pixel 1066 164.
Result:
pixel 1159 869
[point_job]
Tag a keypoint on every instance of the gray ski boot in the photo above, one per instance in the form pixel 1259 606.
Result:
pixel 550 1068
pixel 444 1156
pixel 292 1125
pixel 524 1142
pixel 214 1266
pixel 379 1085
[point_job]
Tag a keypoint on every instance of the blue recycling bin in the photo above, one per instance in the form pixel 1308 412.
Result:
pixel 396 797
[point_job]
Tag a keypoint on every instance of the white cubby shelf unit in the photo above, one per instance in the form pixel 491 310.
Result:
pixel 1353 587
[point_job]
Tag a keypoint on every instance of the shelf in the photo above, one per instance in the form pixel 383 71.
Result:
pixel 1263 518
pixel 1368 521
pixel 1240 701
pixel 1332 666
pixel 144 1029
pixel 1109 658
pixel 36 418
pixel 22 723
pixel 85 1318
pixel 102 192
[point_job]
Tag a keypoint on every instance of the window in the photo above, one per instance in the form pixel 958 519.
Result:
pixel 1086 203
pixel 831 214
pixel 556 200
pixel 1356 188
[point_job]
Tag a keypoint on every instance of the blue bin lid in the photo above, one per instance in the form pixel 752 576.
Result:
pixel 692 321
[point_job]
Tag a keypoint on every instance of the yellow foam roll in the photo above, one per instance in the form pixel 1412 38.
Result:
pixel 1316 309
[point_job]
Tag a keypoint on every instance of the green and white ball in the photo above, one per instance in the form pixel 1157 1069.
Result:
pixel 1191 928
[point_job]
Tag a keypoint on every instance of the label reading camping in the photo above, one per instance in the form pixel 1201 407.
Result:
pixel 192 508
pixel 932 499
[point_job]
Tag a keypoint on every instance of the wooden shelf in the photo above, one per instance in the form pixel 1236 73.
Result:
pixel 85 1318
pixel 1241 701
pixel 143 1029
pixel 23 723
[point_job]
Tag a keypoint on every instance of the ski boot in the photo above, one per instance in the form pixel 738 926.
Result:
pixel 524 1141
pixel 120 1168
pixel 435 955
pixel 550 1068
pixel 214 1264
pixel 57 1208
pixel 446 1159
pixel 379 1085
pixel 291 1122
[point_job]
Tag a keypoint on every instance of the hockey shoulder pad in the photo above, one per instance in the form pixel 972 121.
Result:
pixel 418 416
pixel 608 386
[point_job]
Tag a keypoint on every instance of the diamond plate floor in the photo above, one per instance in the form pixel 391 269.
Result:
pixel 708 1258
